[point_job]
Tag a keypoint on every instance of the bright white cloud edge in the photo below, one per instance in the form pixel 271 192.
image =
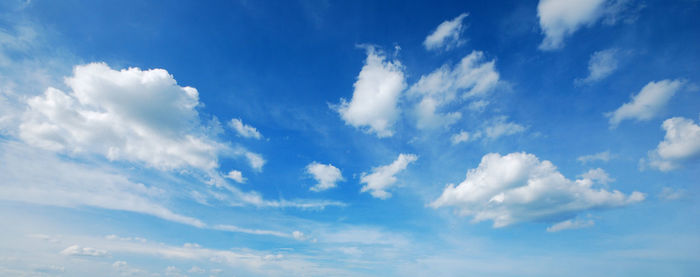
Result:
pixel 446 35
pixel 518 187
pixel 383 177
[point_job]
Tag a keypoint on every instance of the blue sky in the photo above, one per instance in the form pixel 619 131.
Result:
pixel 349 138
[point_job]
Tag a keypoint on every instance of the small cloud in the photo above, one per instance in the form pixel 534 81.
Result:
pixel 255 160
pixel 446 35
pixel 597 175
pixel 326 175
pixel 197 270
pixel 374 103
pixel 668 193
pixel 601 65
pixel 236 176
pixel 382 178
pixel 76 250
pixel 602 156
pixel 244 130
pixel 647 103
pixel 570 225
pixel 500 126
pixel 460 137
pixel 681 145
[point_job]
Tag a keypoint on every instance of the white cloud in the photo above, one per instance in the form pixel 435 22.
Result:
pixel 602 156
pixel 561 18
pixel 446 34
pixel 76 250
pixel 681 144
pixel 236 176
pixel 196 270
pixel 132 114
pixel 297 235
pixel 115 237
pixel 244 130
pixel 472 77
pixel 125 269
pixel 570 225
pixel 601 65
pixel 232 228
pixel 668 193
pixel 647 103
pixel 382 177
pixel 326 175
pixel 70 184
pixel 597 175
pixel 500 126
pixel 377 91
pixel 519 187
pixel 461 137
pixel 255 160
pixel 428 117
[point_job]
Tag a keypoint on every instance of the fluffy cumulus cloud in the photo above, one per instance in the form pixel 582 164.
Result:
pixel 647 103
pixel 473 76
pixel 601 65
pixel 132 114
pixel 519 187
pixel 236 175
pixel 561 18
pixel 377 90
pixel 597 175
pixel 244 130
pixel 326 175
pixel 681 144
pixel 446 35
pixel 383 177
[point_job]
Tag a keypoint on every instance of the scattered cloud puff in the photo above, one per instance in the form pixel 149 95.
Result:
pixel 647 103
pixel 570 224
pixel 124 269
pixel 473 76
pixel 597 175
pixel 376 95
pixel 236 176
pixel 255 160
pixel 131 114
pixel 461 137
pixel 326 175
pixel 197 270
pixel 681 144
pixel 561 18
pixel 382 177
pixel 446 35
pixel 76 250
pixel 601 65
pixel 668 193
pixel 519 187
pixel 244 130
pixel 602 156
pixel 500 126
pixel 491 130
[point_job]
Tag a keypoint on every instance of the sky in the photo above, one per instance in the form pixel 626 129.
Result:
pixel 350 138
